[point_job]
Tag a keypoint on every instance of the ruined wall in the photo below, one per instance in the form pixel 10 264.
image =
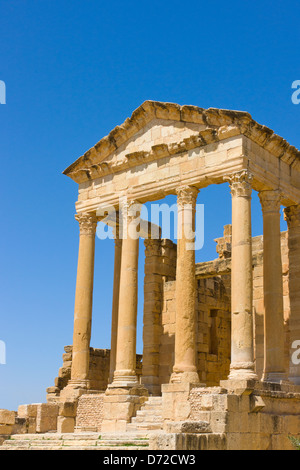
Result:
pixel 258 419
pixel 213 313
pixel 213 336
pixel 160 270
pixel 98 372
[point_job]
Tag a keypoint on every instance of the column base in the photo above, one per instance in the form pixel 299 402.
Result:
pixel 187 377
pixel 242 371
pixel 124 378
pixel 74 390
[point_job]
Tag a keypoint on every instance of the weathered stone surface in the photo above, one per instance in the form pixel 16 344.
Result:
pixel 7 417
pixel 46 418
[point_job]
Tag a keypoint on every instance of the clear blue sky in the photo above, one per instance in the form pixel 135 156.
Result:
pixel 73 71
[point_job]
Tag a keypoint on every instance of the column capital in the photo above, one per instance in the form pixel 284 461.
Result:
pixel 129 207
pixel 240 183
pixel 129 210
pixel 292 216
pixel 187 195
pixel 87 223
pixel 270 200
pixel 129 218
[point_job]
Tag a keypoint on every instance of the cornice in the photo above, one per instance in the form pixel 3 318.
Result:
pixel 219 125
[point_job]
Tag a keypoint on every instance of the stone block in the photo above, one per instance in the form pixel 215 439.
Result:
pixel 6 429
pixel 20 426
pixel 27 411
pixel 65 425
pixel 46 419
pixel 194 427
pixel 162 441
pixel 239 387
pixel 256 404
pixel 7 417
pixel 31 425
pixel 67 409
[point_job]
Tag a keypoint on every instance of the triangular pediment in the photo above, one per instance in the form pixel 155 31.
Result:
pixel 156 130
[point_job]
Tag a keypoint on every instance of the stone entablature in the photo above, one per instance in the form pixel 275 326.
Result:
pixel 210 126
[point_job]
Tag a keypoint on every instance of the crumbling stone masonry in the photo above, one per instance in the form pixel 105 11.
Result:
pixel 217 369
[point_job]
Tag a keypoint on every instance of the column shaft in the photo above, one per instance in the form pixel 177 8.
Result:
pixel 125 373
pixel 185 366
pixel 83 299
pixel 115 305
pixel 242 364
pixel 274 360
pixel 292 216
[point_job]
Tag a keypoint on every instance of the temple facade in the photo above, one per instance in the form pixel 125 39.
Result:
pixel 218 368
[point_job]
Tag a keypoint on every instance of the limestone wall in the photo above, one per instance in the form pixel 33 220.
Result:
pixel 213 338
pixel 259 419
pixel 98 372
pixel 213 313
pixel 89 412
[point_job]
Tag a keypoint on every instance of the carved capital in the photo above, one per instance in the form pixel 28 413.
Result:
pixel 187 195
pixel 87 223
pixel 270 201
pixel 240 183
pixel 130 219
pixel 292 216
pixel 129 209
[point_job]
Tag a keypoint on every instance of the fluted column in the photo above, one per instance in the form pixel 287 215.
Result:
pixel 115 303
pixel 274 360
pixel 185 366
pixel 125 372
pixel 83 300
pixel 242 363
pixel 292 216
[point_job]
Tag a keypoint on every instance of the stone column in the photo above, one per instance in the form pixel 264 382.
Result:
pixel 274 358
pixel 125 372
pixel 292 216
pixel 124 396
pixel 83 301
pixel 242 363
pixel 185 365
pixel 152 329
pixel 115 304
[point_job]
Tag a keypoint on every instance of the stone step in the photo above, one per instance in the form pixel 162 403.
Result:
pixel 155 400
pixel 144 426
pixel 75 441
pixel 151 408
pixel 149 419
pixel 147 413
pixel 77 447
pixel 55 436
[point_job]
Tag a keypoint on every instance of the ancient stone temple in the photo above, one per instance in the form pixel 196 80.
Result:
pixel 218 369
